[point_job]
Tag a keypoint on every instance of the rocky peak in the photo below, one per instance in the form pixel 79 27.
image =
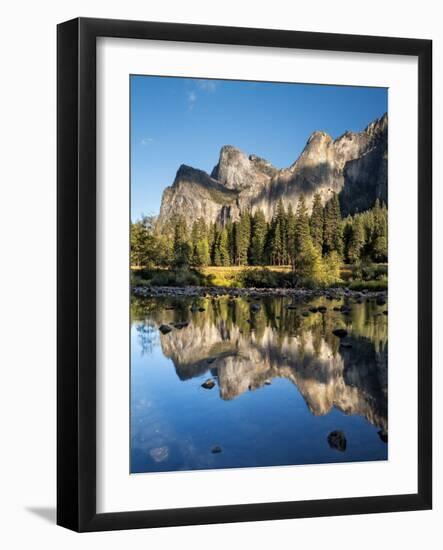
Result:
pixel 195 194
pixel 316 151
pixel 236 170
pixel 188 174
pixel 319 136
pixel 378 126
pixel 353 165
pixel 263 165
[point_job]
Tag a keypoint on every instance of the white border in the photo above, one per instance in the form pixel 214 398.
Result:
pixel 116 489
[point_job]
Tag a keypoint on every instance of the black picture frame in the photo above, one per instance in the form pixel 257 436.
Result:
pixel 76 280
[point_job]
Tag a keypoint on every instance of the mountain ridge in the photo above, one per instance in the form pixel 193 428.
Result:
pixel 354 165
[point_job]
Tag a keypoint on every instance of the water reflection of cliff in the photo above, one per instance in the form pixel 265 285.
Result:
pixel 243 350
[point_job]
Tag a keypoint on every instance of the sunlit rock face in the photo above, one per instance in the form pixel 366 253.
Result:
pixel 353 165
pixel 237 171
pixel 352 379
pixel 194 194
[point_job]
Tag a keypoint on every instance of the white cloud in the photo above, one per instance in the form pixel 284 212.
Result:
pixel 207 85
pixel 147 141
pixel 192 98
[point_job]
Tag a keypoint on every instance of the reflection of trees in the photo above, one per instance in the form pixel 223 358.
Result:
pixel 147 336
pixel 245 347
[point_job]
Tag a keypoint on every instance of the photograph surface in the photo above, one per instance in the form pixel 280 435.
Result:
pixel 259 274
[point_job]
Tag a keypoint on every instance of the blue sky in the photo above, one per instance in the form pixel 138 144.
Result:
pixel 186 121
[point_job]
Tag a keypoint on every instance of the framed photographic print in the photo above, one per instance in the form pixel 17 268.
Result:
pixel 244 274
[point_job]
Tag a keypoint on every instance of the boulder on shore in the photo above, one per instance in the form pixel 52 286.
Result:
pixel 164 329
pixel 340 332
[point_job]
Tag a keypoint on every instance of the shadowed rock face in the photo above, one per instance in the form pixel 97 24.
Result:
pixel 352 379
pixel 353 165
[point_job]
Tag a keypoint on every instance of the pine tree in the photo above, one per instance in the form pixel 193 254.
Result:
pixel 200 244
pixel 380 249
pixel 203 252
pixel 145 247
pixel 302 231
pixel 221 247
pixel 242 238
pixel 317 222
pixel 216 256
pixel 231 244
pixel 273 242
pixel 224 247
pixel 380 236
pixel 290 235
pixel 278 238
pixel 195 235
pixel 138 244
pixel 356 240
pixel 332 227
pixel 211 242
pixel 375 227
pixel 258 238
pixel 182 246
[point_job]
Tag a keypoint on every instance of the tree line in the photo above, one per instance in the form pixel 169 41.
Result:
pixel 319 241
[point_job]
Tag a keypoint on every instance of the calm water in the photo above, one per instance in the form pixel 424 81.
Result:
pixel 283 383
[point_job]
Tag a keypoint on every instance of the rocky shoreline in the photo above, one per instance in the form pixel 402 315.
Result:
pixel 337 293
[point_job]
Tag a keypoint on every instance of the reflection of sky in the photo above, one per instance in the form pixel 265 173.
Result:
pixel 175 424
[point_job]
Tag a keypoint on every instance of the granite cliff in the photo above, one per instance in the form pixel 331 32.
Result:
pixel 354 165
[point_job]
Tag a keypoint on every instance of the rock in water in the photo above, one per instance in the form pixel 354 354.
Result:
pixel 216 449
pixel 181 324
pixel 337 441
pixel 208 384
pixel 164 329
pixel 345 345
pixel 340 332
